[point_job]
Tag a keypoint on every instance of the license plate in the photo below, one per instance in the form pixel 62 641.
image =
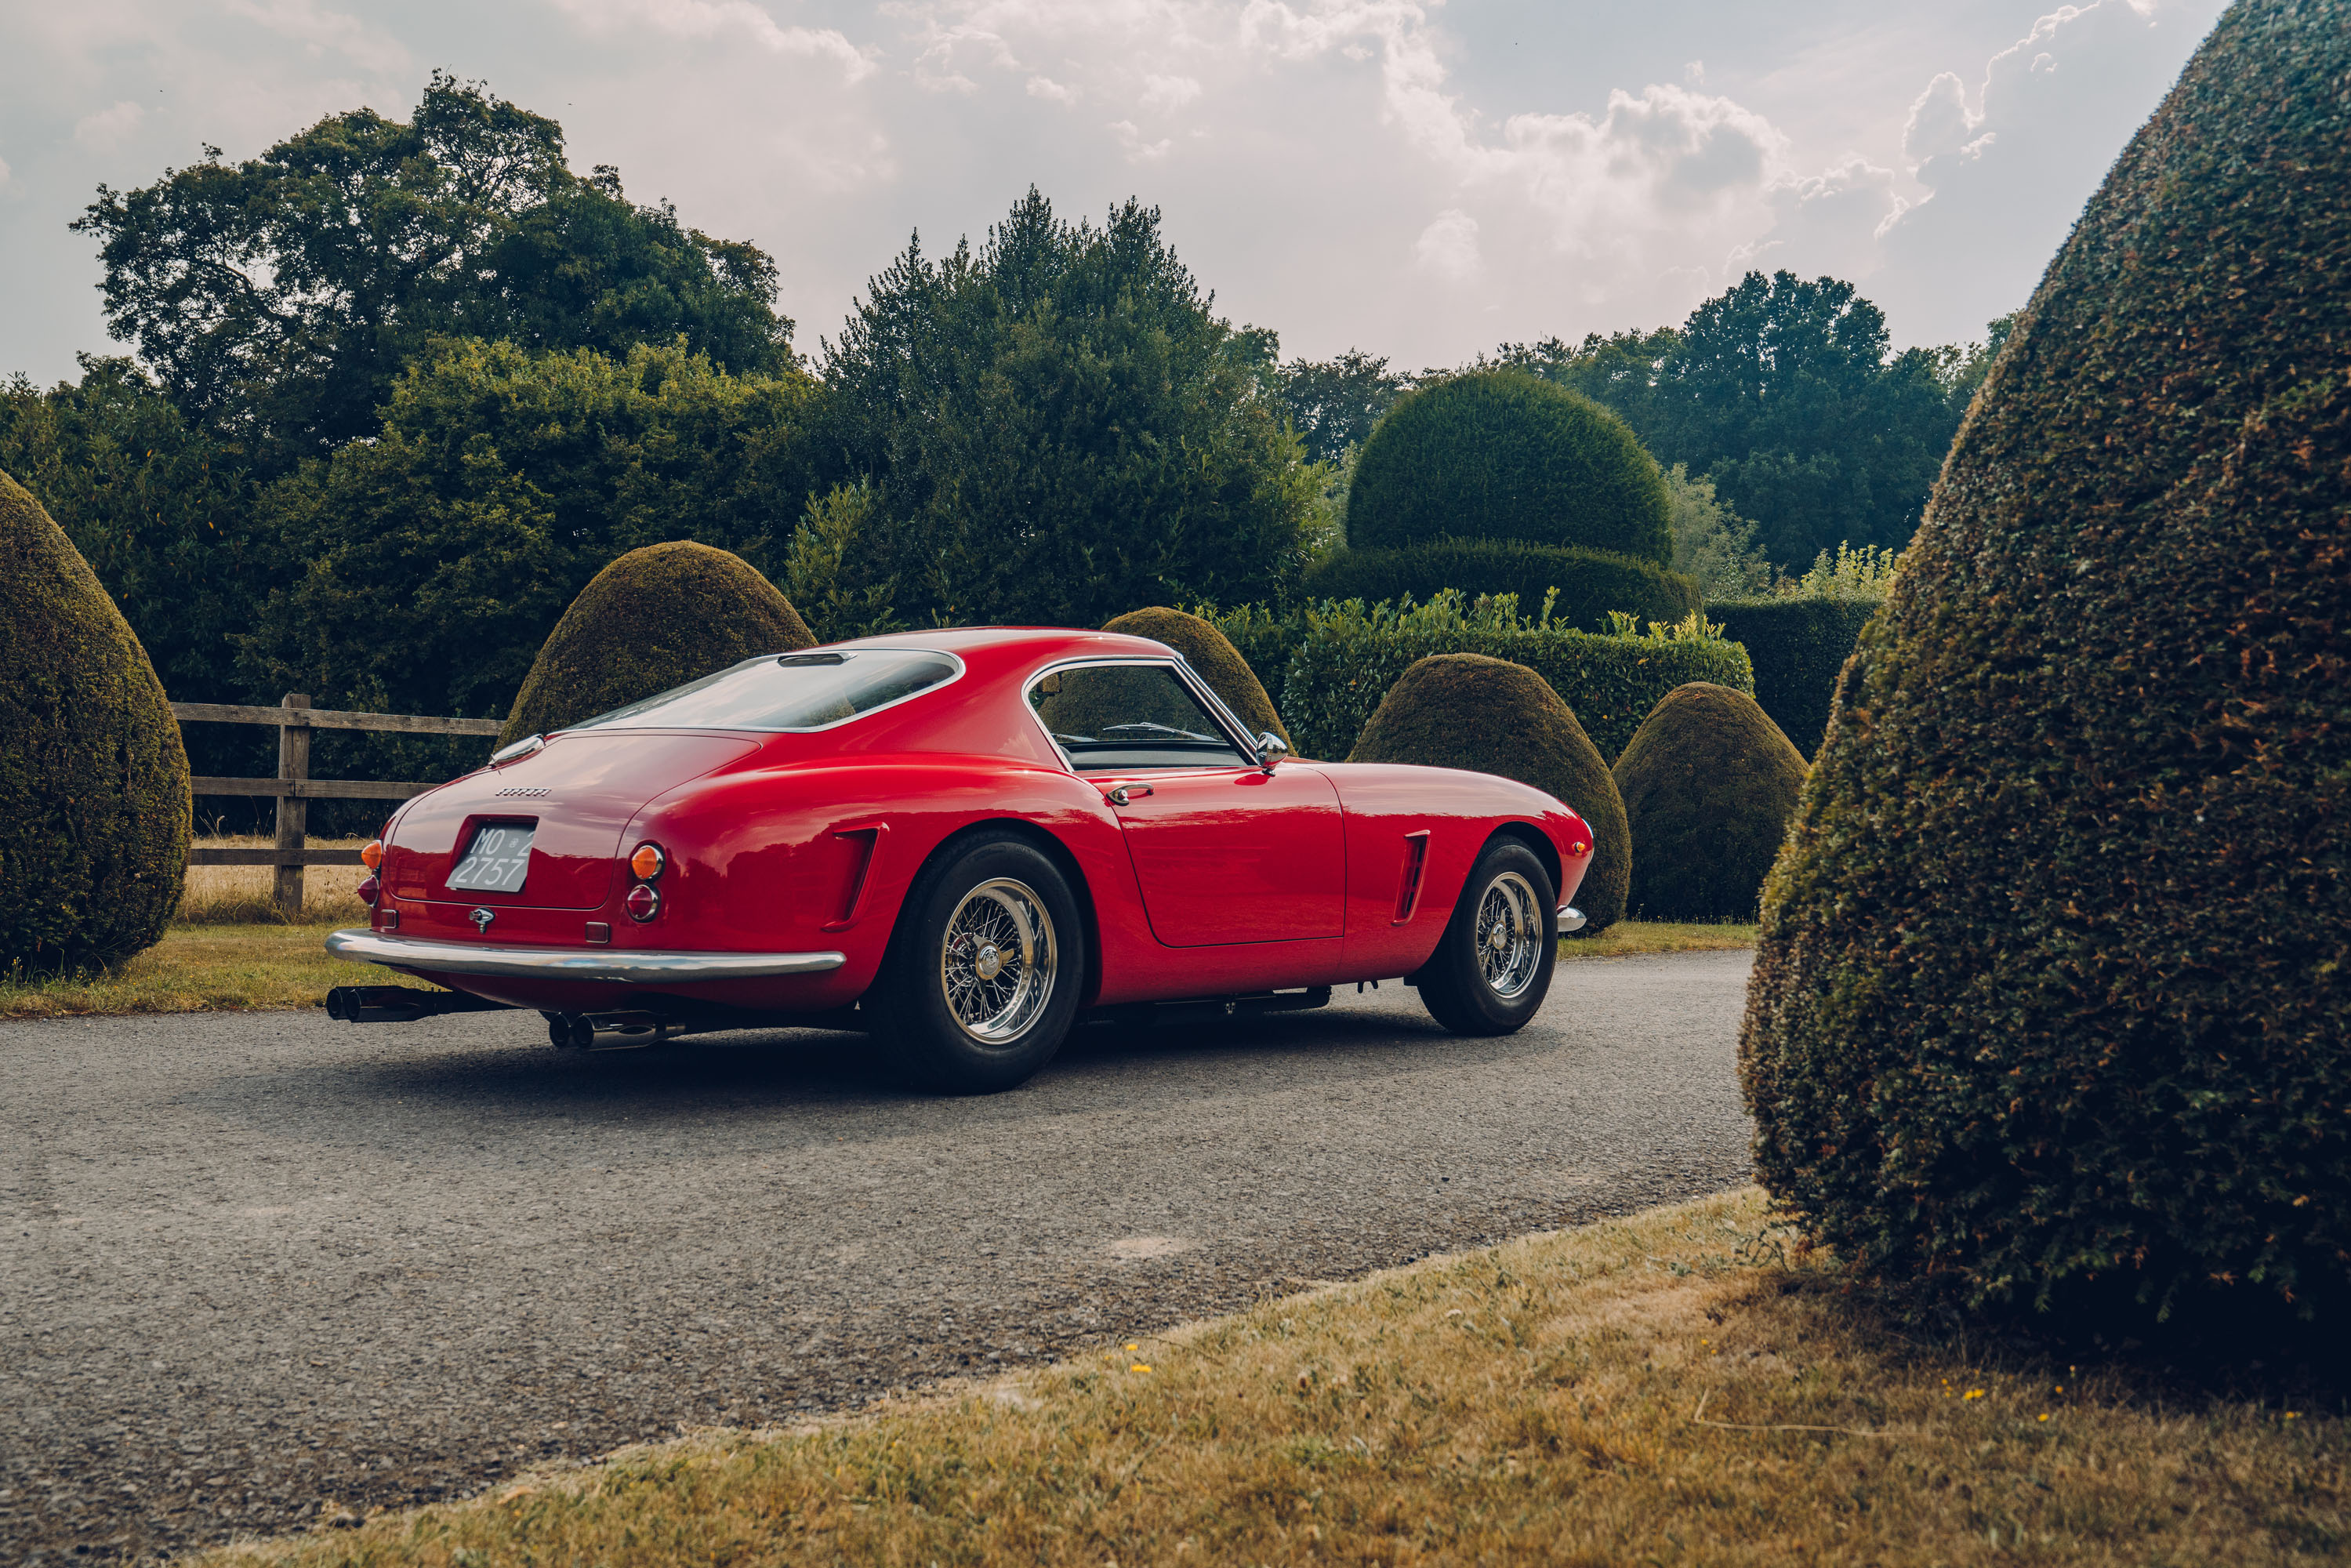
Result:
pixel 496 858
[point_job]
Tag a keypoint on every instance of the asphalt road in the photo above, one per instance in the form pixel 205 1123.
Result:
pixel 255 1266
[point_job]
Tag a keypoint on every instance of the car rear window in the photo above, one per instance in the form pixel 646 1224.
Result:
pixel 788 691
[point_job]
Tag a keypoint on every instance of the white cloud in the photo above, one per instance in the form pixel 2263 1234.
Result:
pixel 1051 91
pixel 369 48
pixel 108 128
pixel 1165 94
pixel 1449 247
pixel 702 20
pixel 1139 150
pixel 4 173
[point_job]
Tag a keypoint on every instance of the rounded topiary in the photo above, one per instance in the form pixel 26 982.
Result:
pixel 1709 783
pixel 1466 710
pixel 2053 991
pixel 656 618
pixel 1590 582
pixel 1211 653
pixel 94 805
pixel 1501 455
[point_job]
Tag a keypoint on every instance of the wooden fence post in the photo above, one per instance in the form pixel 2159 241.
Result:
pixel 293 811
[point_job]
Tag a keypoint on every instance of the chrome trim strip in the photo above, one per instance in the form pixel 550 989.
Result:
pixel 1571 919
pixel 1219 714
pixel 643 968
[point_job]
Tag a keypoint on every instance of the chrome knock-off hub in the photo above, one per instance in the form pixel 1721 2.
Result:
pixel 988 963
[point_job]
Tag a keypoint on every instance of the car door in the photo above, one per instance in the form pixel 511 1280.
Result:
pixel 1224 851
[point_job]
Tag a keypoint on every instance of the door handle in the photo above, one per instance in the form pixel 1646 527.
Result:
pixel 1122 793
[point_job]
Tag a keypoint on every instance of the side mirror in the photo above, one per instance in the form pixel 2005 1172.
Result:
pixel 1270 749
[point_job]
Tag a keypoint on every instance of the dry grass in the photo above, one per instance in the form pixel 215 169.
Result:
pixel 1633 938
pixel 1662 1390
pixel 201 968
pixel 240 894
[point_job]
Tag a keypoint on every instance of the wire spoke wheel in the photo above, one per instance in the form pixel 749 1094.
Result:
pixel 997 961
pixel 1510 932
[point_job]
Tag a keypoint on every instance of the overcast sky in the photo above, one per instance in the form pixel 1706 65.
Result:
pixel 1421 181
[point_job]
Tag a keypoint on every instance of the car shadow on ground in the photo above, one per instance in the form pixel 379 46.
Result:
pixel 834 1084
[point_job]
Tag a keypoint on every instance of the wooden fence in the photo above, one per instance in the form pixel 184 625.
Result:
pixel 294 719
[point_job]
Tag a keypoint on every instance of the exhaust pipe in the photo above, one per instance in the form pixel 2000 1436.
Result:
pixel 401 1004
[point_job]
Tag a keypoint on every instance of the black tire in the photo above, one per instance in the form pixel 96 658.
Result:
pixel 1477 983
pixel 942 1004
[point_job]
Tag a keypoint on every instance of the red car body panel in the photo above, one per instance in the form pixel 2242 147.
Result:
pixel 1216 882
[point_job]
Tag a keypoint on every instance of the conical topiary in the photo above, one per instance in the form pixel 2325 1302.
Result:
pixel 1211 653
pixel 1709 783
pixel 1466 710
pixel 656 618
pixel 94 807
pixel 1501 454
pixel 2053 991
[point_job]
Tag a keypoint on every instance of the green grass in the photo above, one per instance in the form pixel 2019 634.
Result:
pixel 1633 938
pixel 201 968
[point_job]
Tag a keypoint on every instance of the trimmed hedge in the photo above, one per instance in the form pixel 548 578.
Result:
pixel 94 806
pixel 2053 1001
pixel 656 618
pixel 1501 455
pixel 1797 646
pixel 1489 715
pixel 1212 655
pixel 1709 784
pixel 1591 582
pixel 1348 656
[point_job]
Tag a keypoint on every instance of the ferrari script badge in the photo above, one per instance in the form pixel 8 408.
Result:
pixel 481 918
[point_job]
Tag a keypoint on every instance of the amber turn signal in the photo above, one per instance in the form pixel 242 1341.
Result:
pixel 372 856
pixel 647 861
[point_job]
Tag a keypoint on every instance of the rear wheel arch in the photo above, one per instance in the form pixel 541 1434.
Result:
pixel 1054 850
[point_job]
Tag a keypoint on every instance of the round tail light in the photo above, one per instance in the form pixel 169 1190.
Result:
pixel 369 891
pixel 642 903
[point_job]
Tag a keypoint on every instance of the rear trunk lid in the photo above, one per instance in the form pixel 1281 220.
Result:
pixel 576 795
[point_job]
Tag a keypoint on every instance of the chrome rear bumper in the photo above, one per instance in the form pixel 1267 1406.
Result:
pixel 622 966
pixel 1571 919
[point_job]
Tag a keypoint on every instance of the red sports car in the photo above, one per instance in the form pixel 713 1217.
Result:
pixel 963 842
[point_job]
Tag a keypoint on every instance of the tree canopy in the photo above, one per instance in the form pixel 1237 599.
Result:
pixel 1058 428
pixel 439 554
pixel 1787 394
pixel 277 299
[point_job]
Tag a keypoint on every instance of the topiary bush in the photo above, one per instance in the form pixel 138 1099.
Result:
pixel 1709 784
pixel 1797 646
pixel 1590 582
pixel 2053 1000
pixel 1489 715
pixel 1212 655
pixel 656 618
pixel 94 805
pixel 1500 454
pixel 1348 655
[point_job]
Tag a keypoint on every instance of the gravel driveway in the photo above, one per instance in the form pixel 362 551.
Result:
pixel 254 1266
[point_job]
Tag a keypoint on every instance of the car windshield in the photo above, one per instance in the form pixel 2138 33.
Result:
pixel 1115 716
pixel 788 691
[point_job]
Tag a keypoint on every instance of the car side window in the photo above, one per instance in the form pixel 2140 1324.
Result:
pixel 1115 717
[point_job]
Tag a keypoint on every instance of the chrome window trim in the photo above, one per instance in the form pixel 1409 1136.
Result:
pixel 961 669
pixel 1218 714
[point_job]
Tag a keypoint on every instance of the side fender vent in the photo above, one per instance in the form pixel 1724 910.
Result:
pixel 1415 860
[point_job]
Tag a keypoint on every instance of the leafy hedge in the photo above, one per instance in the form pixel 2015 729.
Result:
pixel 1591 582
pixel 1797 646
pixel 94 807
pixel 1213 658
pixel 1348 654
pixel 1501 456
pixel 1709 784
pixel 1489 715
pixel 2053 999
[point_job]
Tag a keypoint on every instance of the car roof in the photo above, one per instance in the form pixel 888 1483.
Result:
pixel 1019 644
